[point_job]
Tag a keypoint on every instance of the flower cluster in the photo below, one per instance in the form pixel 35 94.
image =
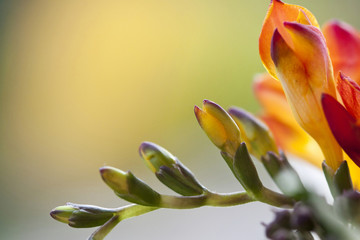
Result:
pixel 314 70
pixel 311 108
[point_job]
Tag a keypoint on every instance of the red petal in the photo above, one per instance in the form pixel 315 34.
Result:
pixel 343 42
pixel 350 94
pixel 343 126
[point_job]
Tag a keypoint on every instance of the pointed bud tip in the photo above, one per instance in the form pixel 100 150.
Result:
pixel 146 147
pixel 62 213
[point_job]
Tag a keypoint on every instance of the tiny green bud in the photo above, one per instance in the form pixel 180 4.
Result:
pixel 81 216
pixel 169 170
pixel 254 132
pixel 129 187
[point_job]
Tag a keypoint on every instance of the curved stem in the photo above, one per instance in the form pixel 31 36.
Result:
pixel 207 199
pixel 275 199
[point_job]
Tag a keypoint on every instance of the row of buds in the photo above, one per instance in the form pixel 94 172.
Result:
pixel 227 130
pixel 238 134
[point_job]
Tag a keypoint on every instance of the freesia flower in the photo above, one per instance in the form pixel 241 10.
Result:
pixel 295 52
pixel 300 60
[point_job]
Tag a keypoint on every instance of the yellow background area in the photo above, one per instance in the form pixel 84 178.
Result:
pixel 83 83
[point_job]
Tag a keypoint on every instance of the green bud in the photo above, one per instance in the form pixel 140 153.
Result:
pixel 169 170
pixel 246 172
pixel 254 132
pixel 156 156
pixel 62 213
pixel 129 187
pixel 81 216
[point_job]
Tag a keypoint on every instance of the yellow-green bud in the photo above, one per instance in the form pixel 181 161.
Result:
pixel 254 132
pixel 156 156
pixel 81 216
pixel 129 187
pixel 169 170
pixel 62 213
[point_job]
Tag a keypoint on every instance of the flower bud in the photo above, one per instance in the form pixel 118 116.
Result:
pixel 129 187
pixel 169 170
pixel 156 156
pixel 81 216
pixel 278 13
pixel 254 132
pixel 219 126
pixel 62 213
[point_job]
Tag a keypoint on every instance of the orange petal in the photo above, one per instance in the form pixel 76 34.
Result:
pixel 344 46
pixel 305 73
pixel 350 94
pixel 278 13
pixel 277 115
pixel 272 98
pixel 294 140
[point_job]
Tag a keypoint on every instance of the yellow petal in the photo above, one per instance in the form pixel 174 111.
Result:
pixel 212 127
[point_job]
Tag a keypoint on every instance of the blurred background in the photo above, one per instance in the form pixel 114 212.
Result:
pixel 83 83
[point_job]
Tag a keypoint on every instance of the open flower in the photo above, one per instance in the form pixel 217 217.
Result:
pixel 300 60
pixel 304 59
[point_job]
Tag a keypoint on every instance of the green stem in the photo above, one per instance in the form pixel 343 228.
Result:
pixel 119 215
pixel 275 199
pixel 104 230
pixel 208 199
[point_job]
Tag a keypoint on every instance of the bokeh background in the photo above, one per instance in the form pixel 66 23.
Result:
pixel 83 83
